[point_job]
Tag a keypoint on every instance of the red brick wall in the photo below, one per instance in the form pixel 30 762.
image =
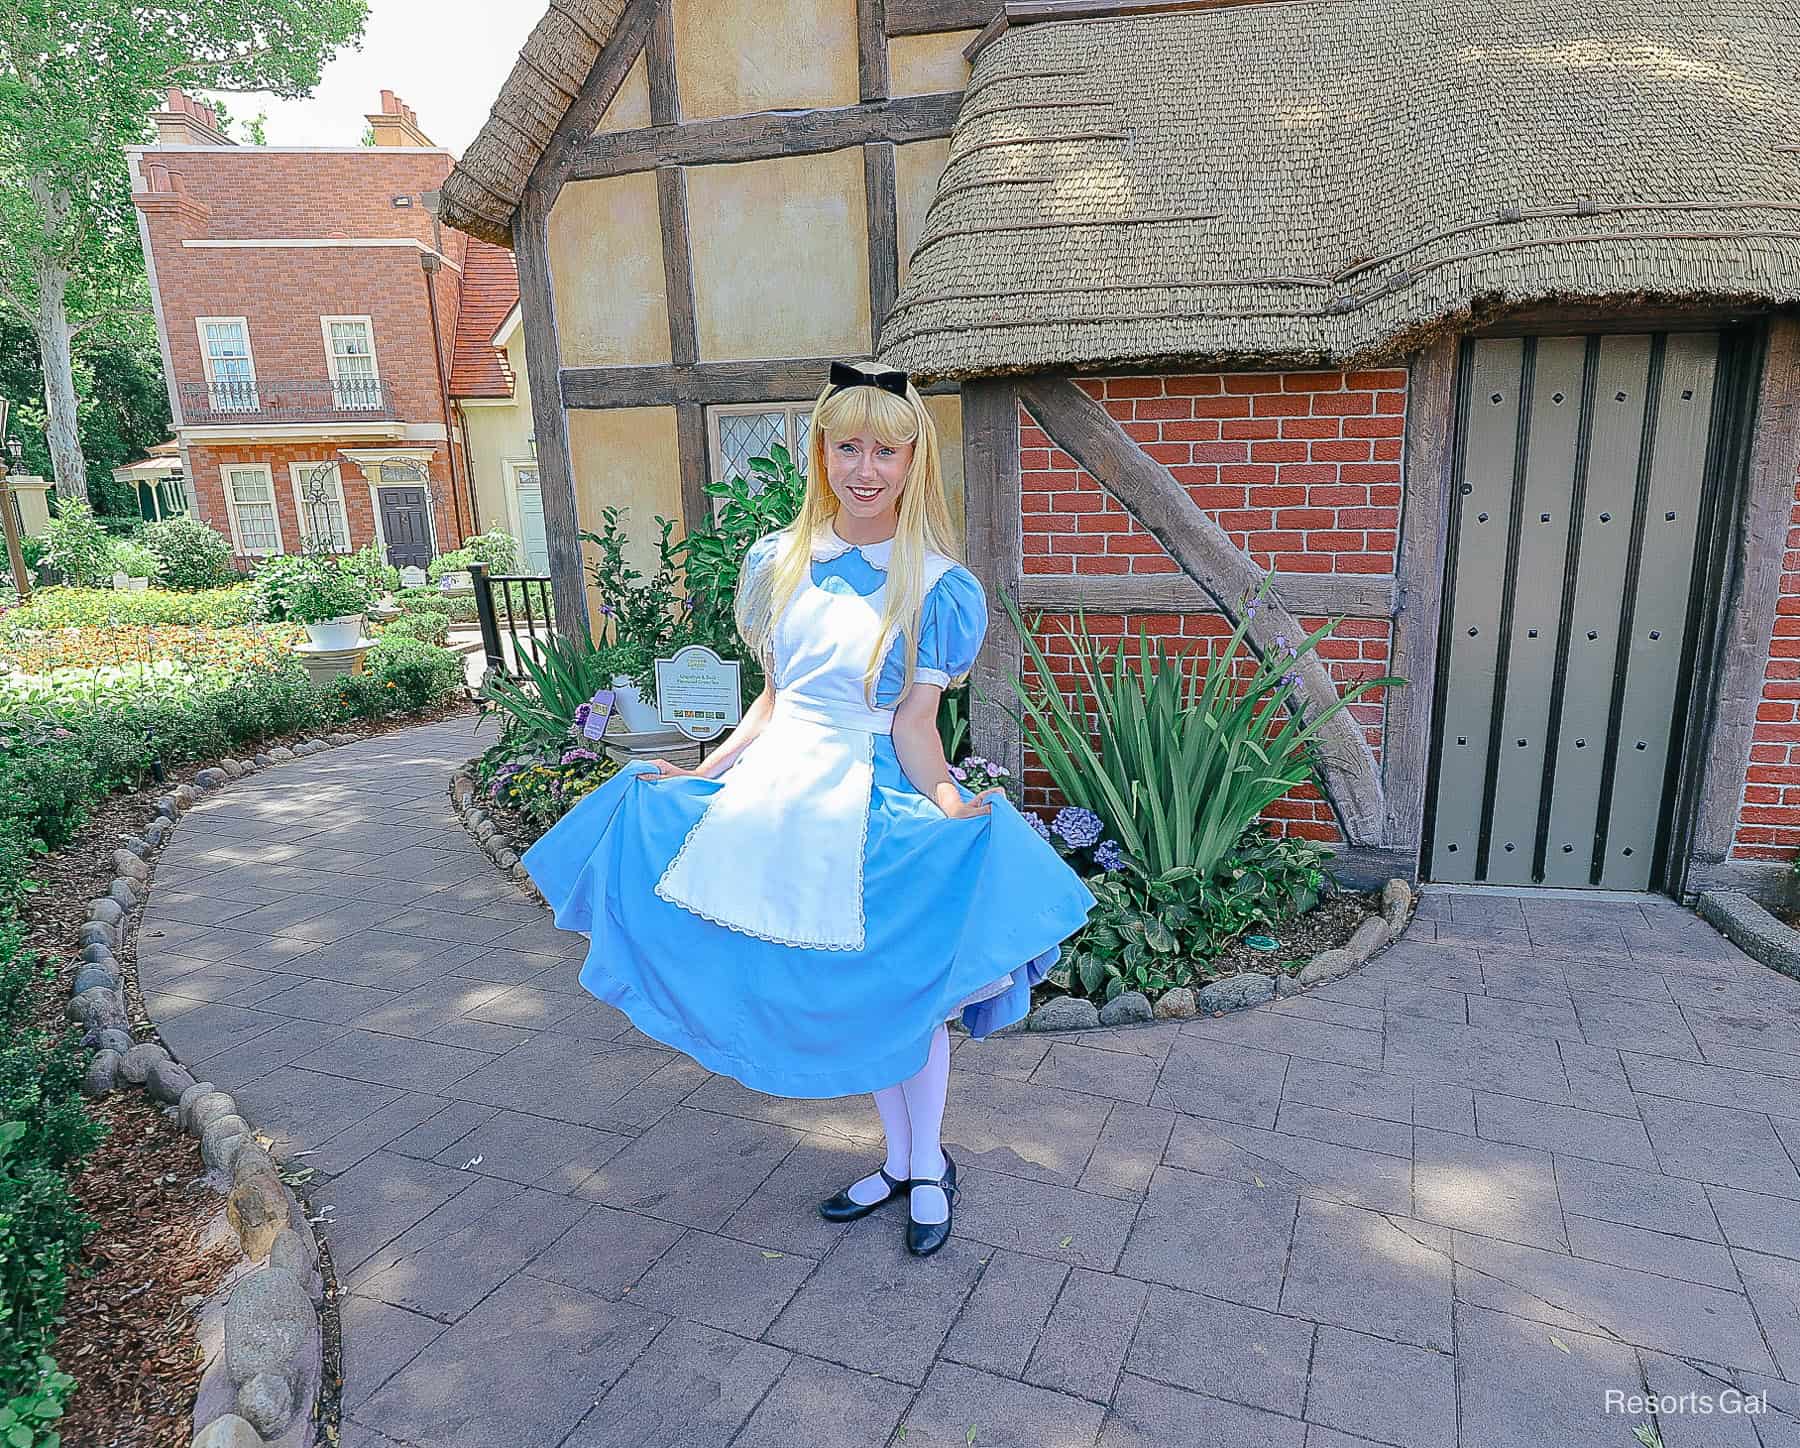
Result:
pixel 1769 819
pixel 207 488
pixel 1301 469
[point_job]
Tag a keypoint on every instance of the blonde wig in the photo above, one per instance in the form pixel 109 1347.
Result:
pixel 924 525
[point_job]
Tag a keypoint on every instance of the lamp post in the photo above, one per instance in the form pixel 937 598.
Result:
pixel 9 516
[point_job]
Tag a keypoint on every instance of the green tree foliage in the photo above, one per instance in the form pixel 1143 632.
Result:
pixel 78 81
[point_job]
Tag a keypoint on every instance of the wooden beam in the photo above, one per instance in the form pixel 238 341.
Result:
pixel 691 456
pixel 871 50
pixel 659 67
pixel 1354 595
pixel 610 68
pixel 1419 571
pixel 990 418
pixel 929 17
pixel 765 135
pixel 777 379
pixel 550 423
pixel 678 266
pixel 879 192
pixel 1753 592
pixel 1084 429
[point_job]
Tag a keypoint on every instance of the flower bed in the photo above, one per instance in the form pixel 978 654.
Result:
pixel 200 649
pixel 54 608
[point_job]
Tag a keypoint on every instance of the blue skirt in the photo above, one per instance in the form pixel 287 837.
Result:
pixel 953 909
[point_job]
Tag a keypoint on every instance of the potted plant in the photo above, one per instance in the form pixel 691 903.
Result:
pixel 319 591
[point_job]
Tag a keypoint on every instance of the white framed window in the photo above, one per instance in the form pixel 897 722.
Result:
pixel 350 359
pixel 250 501
pixel 528 518
pixel 323 517
pixel 739 433
pixel 230 369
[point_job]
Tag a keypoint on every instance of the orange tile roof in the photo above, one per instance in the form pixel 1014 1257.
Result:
pixel 490 290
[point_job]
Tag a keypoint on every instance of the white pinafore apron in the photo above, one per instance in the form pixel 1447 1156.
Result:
pixel 778 854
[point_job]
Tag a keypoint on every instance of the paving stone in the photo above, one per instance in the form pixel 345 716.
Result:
pixel 1774 1287
pixel 533 1150
pixel 782 1214
pixel 1344 1128
pixel 1628 1025
pixel 1213 1076
pixel 1354 1089
pixel 1151 1415
pixel 1385 1276
pixel 1015 1056
pixel 1518 1389
pixel 1388 1391
pixel 605 1252
pixel 1597 1080
pixel 1222 1349
pixel 1642 1308
pixel 457 1254
pixel 1019 1129
pixel 696 1169
pixel 378 1340
pixel 1712 1085
pixel 1716 1145
pixel 395 1061
pixel 1070 1067
pixel 1428 1050
pixel 1004 1316
pixel 1084 1345
pixel 324 1000
pixel 728 1285
pixel 570 1080
pixel 1768 1225
pixel 1291 1036
pixel 820 1403
pixel 1486 1186
pixel 852 1118
pixel 1299 1163
pixel 999 1412
pixel 1566 1130
pixel 380 1197
pixel 1238 1231
pixel 869 1306
pixel 265 1051
pixel 1725 1426
pixel 1658 1252
pixel 337 1154
pixel 1130 1147
pixel 1083 1229
pixel 1636 1198
pixel 464 1389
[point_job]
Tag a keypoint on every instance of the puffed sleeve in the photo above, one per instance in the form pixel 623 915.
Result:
pixel 951 627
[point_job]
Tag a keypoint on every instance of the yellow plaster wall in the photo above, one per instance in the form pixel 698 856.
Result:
pixel 607 266
pixel 916 171
pixel 946 412
pixel 923 65
pixel 499 435
pixel 625 457
pixel 737 56
pixel 629 109
pixel 781 257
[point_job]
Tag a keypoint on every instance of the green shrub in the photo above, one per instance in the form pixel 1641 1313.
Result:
pixel 376 572
pixel 52 608
pixel 430 627
pixel 498 550
pixel 414 674
pixel 134 560
pixel 193 555
pixel 310 588
pixel 563 675
pixel 46 783
pixel 78 546
pixel 459 609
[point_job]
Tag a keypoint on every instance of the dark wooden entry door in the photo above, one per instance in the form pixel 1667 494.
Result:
pixel 406 524
pixel 1570 603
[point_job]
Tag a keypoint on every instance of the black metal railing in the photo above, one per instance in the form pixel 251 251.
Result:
pixel 261 399
pixel 505 604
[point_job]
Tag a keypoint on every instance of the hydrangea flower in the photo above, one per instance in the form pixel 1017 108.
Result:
pixel 1078 827
pixel 975 761
pixel 1110 855
pixel 1036 821
pixel 958 773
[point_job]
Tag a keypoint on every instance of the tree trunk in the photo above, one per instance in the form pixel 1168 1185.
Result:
pixel 52 329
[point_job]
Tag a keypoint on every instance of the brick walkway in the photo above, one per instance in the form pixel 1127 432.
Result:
pixel 1454 1199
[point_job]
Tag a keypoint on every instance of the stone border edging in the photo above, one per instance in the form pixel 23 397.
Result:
pixel 261 1334
pixel 1065 1013
pixel 1752 929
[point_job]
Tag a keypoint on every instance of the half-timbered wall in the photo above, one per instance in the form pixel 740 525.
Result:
pixel 728 206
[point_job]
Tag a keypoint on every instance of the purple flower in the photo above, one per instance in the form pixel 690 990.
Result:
pixel 582 714
pixel 608 610
pixel 1036 821
pixel 1078 827
pixel 1110 855
pixel 974 761
pixel 687 601
pixel 1291 679
pixel 588 755
pixel 957 773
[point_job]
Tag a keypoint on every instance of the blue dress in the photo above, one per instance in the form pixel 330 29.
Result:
pixel 805 921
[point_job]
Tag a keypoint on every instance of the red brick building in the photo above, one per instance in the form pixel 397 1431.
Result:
pixel 307 305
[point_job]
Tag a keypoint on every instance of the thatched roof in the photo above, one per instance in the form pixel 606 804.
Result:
pixel 483 192
pixel 1333 182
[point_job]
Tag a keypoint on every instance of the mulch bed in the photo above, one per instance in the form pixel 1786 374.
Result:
pixel 1326 926
pixel 128 1334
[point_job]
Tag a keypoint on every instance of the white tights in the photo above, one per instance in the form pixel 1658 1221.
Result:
pixel 912 1115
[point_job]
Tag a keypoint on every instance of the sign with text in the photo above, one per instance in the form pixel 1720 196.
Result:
pixel 600 709
pixel 698 692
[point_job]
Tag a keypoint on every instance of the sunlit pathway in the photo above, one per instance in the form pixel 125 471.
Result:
pixel 1520 1160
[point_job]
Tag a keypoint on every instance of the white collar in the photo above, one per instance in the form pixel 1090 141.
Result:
pixel 829 544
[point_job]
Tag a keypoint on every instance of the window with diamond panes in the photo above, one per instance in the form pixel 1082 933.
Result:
pixel 742 434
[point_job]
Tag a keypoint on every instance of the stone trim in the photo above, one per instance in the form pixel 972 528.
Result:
pixel 262 1332
pixel 1752 929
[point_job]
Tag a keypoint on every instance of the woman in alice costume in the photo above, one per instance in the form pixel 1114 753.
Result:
pixel 806 909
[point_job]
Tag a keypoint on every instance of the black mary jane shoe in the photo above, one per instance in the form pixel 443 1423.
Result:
pixel 924 1238
pixel 844 1208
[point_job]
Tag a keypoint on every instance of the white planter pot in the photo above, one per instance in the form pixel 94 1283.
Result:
pixel 636 716
pixel 336 633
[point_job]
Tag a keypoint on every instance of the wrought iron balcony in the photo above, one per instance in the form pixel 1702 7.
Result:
pixel 261 399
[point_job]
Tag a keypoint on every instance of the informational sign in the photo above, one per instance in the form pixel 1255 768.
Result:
pixel 412 576
pixel 600 709
pixel 698 692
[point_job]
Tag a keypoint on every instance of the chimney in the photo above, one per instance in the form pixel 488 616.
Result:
pixel 184 121
pixel 396 125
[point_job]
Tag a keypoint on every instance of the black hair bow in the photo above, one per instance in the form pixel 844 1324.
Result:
pixel 844 375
